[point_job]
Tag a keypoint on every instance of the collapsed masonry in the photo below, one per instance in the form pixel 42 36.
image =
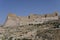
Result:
pixel 32 27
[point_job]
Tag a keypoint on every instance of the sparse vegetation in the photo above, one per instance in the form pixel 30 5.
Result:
pixel 48 30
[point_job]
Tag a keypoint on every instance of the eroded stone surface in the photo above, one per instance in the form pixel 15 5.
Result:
pixel 13 20
pixel 31 28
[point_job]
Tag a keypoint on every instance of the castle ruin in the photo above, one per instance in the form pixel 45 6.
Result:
pixel 13 20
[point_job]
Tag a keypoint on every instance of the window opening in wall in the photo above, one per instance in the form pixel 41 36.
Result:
pixel 30 24
pixel 0 33
pixel 20 35
pixel 56 14
pixel 45 16
pixel 29 17
pixel 33 19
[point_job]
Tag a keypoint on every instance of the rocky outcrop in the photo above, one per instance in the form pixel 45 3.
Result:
pixel 31 28
pixel 46 31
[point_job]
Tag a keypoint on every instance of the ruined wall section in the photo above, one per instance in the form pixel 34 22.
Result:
pixel 13 20
pixel 41 18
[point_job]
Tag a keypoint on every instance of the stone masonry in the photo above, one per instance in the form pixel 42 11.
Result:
pixel 13 20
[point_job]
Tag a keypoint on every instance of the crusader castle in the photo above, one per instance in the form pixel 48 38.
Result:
pixel 32 27
pixel 13 20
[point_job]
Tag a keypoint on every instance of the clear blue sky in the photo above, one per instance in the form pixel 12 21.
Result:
pixel 25 7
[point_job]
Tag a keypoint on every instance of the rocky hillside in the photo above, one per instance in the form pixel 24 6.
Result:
pixel 49 30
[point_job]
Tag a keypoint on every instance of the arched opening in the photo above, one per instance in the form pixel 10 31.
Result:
pixel 56 13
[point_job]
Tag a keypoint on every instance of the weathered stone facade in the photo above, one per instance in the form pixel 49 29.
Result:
pixel 32 27
pixel 13 20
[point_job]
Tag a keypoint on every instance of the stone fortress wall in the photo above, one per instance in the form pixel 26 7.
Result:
pixel 13 20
